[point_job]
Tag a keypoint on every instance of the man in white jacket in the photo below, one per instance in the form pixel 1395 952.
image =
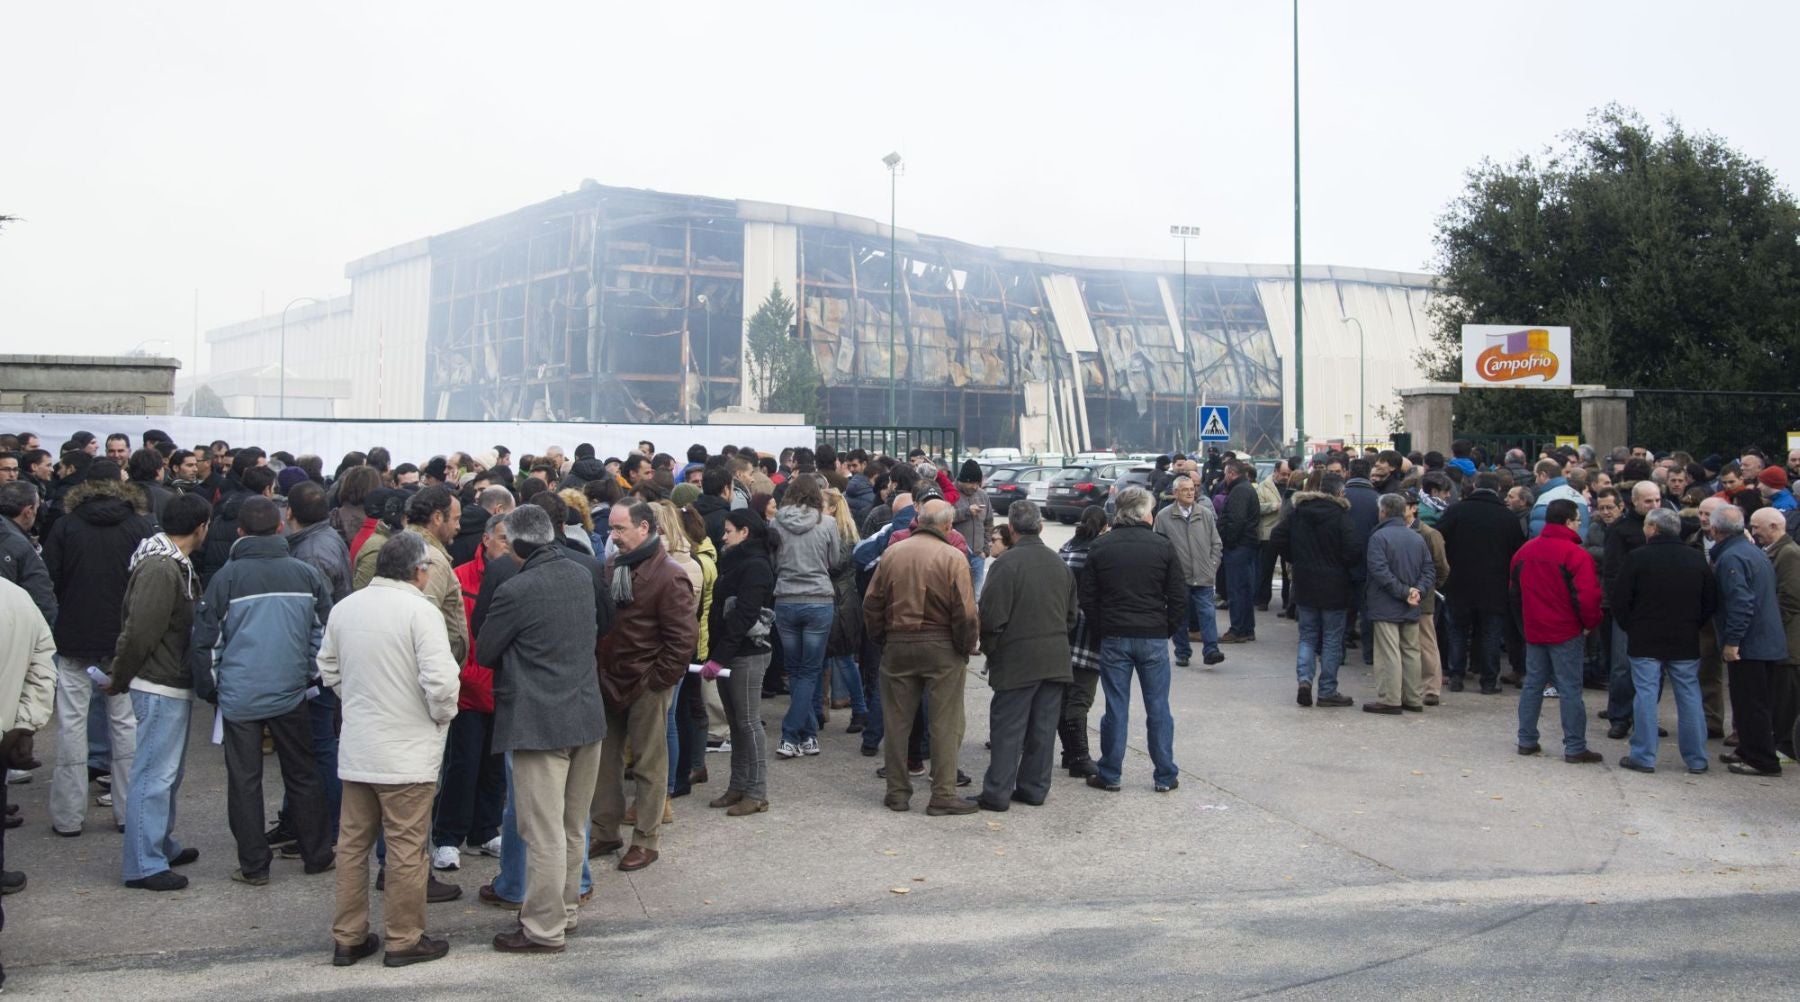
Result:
pixel 387 655
pixel 27 690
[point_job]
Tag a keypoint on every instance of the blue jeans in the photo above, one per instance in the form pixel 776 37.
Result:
pixel 510 883
pixel 1321 639
pixel 162 737
pixel 1646 677
pixel 804 630
pixel 868 670
pixel 977 571
pixel 1203 615
pixel 846 681
pixel 99 737
pixel 1148 657
pixel 1479 635
pixel 1561 663
pixel 1240 588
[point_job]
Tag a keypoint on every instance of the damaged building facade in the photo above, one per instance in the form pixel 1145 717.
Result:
pixel 628 305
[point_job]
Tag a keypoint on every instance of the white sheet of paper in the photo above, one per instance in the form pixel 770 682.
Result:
pixel 218 735
pixel 695 670
pixel 99 677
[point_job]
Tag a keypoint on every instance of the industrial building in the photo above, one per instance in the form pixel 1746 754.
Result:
pixel 628 305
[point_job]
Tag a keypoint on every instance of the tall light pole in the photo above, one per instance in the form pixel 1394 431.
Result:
pixel 283 363
pixel 1184 234
pixel 1299 314
pixel 1362 381
pixel 893 165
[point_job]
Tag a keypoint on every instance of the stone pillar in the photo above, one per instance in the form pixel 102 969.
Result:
pixel 1604 418
pixel 1427 412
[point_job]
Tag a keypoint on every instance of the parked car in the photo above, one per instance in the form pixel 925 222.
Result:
pixel 1007 484
pixel 1137 476
pixel 1076 487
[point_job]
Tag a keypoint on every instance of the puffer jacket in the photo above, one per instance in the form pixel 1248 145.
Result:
pixel 1555 589
pixel 159 618
pixel 1398 560
pixel 1321 545
pixel 860 493
pixel 21 564
pixel 1195 537
pixel 477 690
pixel 257 630
pixel 651 640
pixel 400 691
pixel 1557 490
pixel 321 546
pixel 921 592
pixel 1749 613
pixel 88 555
pixel 222 534
pixel 806 549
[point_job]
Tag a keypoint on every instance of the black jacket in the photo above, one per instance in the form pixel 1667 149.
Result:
pixel 220 534
pixel 468 534
pixel 20 564
pixel 1480 537
pixel 1662 595
pixel 712 510
pixel 88 555
pixel 1240 522
pixel 1132 585
pixel 745 587
pixel 1322 544
pixel 1624 537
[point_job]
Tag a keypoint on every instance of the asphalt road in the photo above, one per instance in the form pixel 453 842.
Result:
pixel 1309 853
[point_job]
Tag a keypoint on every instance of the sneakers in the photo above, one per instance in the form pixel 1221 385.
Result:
pixel 1213 658
pixel 810 746
pixel 253 879
pixel 1181 662
pixel 723 746
pixel 279 836
pixel 1551 693
pixel 446 857
pixel 16 776
pixel 104 799
pixel 787 749
pixel 1173 785
pixel 490 848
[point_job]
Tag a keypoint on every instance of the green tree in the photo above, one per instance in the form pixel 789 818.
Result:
pixel 204 403
pixel 1674 258
pixel 783 376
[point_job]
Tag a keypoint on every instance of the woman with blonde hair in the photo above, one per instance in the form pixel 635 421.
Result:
pixel 845 641
pixel 687 755
pixel 579 529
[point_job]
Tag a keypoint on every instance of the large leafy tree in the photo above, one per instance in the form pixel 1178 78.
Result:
pixel 782 374
pixel 1674 258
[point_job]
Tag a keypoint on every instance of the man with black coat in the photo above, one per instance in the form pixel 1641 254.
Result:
pixel 1623 537
pixel 490 501
pixel 1321 544
pixel 1360 492
pixel 1480 538
pixel 1660 598
pixel 1240 533
pixel 255 481
pixel 714 503
pixel 1134 598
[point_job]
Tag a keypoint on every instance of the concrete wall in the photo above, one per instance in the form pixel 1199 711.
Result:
pixel 87 384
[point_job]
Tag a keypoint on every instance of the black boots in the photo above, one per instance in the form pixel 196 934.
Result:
pixel 1075 748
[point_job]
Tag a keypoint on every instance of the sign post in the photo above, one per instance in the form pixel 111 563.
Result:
pixel 1215 424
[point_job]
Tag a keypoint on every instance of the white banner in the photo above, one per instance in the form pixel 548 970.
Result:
pixel 1503 355
pixel 412 441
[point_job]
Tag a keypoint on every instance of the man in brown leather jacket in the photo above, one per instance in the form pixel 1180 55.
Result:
pixel 921 606
pixel 641 659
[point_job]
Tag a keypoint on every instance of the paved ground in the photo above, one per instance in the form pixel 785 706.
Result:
pixel 1308 854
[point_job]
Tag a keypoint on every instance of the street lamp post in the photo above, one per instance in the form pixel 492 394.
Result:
pixel 893 165
pixel 1184 234
pixel 282 412
pixel 1299 314
pixel 1362 382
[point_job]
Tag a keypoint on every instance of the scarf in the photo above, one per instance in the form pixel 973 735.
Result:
pixel 362 536
pixel 160 545
pixel 624 562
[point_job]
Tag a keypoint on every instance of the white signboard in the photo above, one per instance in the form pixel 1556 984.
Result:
pixel 1511 355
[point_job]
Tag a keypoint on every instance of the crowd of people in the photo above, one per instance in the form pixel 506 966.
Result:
pixel 533 662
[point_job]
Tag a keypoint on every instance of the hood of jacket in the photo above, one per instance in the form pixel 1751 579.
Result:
pixel 798 518
pixel 259 548
pixel 105 502
pixel 1330 501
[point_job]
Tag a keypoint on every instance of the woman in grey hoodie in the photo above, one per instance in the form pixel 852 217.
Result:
pixel 806 548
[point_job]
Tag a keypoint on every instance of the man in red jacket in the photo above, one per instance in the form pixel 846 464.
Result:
pixel 1556 596
pixel 473 793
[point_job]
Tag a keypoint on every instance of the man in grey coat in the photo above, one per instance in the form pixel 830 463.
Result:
pixel 1400 573
pixel 1193 530
pixel 539 637
pixel 1752 640
pixel 1027 611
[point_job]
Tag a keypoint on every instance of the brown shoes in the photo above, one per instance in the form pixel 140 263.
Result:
pixel 344 956
pixel 747 805
pixel 726 799
pixel 425 950
pixel 598 849
pixel 1387 708
pixel 1431 699
pixel 636 858
pixel 487 897
pixel 516 942
pixel 961 805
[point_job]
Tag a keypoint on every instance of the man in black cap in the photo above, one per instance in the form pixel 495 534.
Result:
pixel 974 518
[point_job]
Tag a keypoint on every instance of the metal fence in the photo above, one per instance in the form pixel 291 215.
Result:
pixel 1496 446
pixel 1701 422
pixel 938 443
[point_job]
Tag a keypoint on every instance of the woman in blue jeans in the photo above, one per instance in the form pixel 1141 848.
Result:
pixel 807 547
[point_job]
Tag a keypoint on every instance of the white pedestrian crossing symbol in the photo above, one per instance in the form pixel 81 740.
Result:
pixel 1215 424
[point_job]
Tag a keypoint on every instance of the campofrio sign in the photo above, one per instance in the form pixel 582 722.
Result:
pixel 1506 355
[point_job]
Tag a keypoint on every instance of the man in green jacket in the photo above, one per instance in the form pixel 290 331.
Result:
pixel 1028 609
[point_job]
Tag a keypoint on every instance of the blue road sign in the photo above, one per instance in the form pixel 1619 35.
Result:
pixel 1215 424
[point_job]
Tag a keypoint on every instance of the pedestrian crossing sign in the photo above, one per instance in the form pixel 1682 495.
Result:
pixel 1215 424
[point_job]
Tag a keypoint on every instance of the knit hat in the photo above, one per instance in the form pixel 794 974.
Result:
pixel 684 495
pixel 487 458
pixel 970 472
pixel 288 479
pixel 102 469
pixel 1773 476
pixel 436 468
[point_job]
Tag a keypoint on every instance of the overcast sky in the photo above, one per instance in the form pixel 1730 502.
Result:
pixel 249 151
